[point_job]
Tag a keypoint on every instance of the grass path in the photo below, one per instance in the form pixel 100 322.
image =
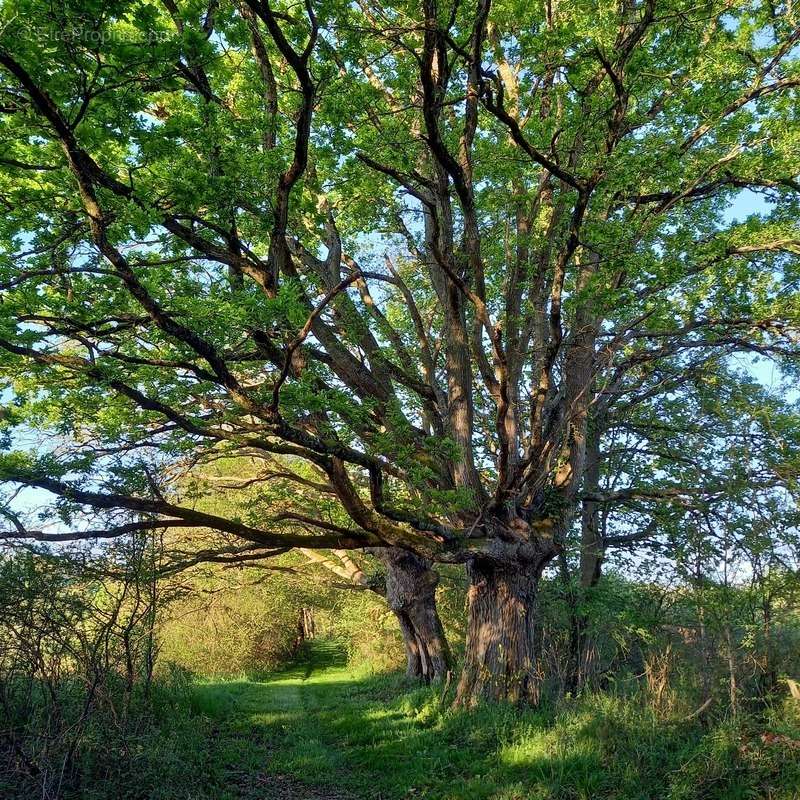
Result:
pixel 324 732
pixel 256 722
pixel 321 731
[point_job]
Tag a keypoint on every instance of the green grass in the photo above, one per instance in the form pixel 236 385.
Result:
pixel 375 737
pixel 323 731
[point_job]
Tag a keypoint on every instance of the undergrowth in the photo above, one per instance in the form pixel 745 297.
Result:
pixel 342 732
pixel 378 737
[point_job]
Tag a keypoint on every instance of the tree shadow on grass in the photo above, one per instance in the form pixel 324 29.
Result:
pixel 375 738
pixel 383 738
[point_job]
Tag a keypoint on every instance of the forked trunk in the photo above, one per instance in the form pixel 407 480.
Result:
pixel 411 594
pixel 500 658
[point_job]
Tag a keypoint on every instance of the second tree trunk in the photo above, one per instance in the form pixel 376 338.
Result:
pixel 411 595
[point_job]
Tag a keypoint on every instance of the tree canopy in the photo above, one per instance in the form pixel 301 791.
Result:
pixel 415 258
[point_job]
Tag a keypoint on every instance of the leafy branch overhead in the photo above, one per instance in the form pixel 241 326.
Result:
pixel 439 259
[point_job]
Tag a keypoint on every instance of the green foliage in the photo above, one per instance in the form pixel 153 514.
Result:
pixel 367 630
pixel 144 149
pixel 336 713
pixel 159 754
pixel 232 631
pixel 176 110
pixel 76 657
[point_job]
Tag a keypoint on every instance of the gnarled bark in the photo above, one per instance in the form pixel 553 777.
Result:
pixel 411 594
pixel 500 658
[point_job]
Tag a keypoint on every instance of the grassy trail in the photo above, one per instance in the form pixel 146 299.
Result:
pixel 324 732
pixel 257 725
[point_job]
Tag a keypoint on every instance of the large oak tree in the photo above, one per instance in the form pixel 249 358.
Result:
pixel 402 250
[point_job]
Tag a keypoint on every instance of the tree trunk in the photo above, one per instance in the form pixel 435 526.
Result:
pixel 307 623
pixel 729 643
pixel 500 658
pixel 416 663
pixel 592 553
pixel 770 675
pixel 411 594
